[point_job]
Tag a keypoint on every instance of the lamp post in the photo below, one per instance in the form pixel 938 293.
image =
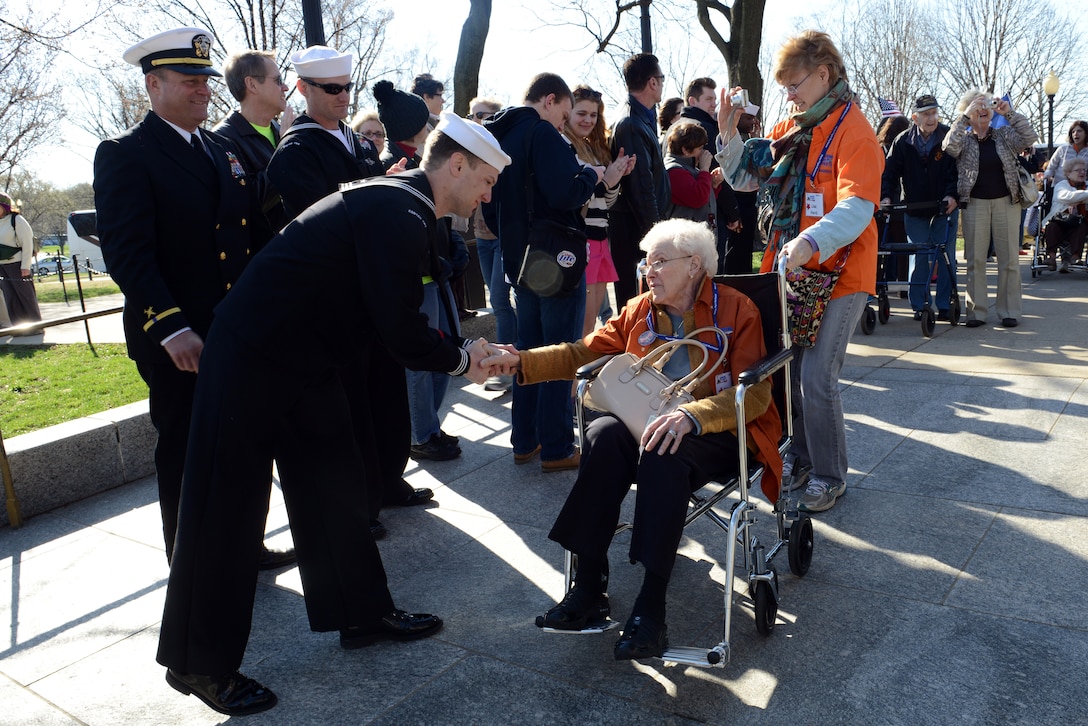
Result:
pixel 1050 88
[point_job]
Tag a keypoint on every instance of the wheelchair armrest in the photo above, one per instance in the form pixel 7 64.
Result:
pixel 589 370
pixel 764 368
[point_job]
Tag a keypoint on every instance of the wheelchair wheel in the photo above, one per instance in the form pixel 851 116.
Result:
pixel 868 321
pixel 954 311
pixel 800 545
pixel 766 608
pixel 928 323
pixel 884 311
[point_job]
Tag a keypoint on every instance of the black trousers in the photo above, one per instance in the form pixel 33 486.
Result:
pixel 610 463
pixel 237 430
pixel 623 238
pixel 171 403
pixel 740 245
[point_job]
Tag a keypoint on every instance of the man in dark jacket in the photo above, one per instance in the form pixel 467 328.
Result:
pixel 645 192
pixel 927 176
pixel 702 107
pixel 255 81
pixel 357 256
pixel 545 166
pixel 173 210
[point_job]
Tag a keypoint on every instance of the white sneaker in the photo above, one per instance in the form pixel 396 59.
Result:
pixel 794 475
pixel 820 495
pixel 498 383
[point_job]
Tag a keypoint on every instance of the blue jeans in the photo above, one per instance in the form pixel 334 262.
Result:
pixel 543 412
pixel 819 430
pixel 427 389
pixel 931 231
pixel 498 289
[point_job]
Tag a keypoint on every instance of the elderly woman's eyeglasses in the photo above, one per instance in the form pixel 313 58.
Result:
pixel 792 90
pixel 657 265
pixel 373 134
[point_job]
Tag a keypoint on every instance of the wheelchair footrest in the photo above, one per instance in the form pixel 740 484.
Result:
pixel 595 628
pixel 701 657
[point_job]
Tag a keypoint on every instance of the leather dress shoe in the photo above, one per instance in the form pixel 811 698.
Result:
pixel 417 497
pixel 1009 322
pixel 275 559
pixel 974 323
pixel 642 638
pixel 397 625
pixel 575 611
pixel 234 694
pixel 567 464
pixel 377 530
pixel 520 459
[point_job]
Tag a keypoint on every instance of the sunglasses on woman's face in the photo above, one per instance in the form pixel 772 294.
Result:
pixel 333 89
pixel 481 115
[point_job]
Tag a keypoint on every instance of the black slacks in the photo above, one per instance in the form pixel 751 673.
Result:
pixel 610 464
pixel 740 245
pixel 623 239
pixel 237 430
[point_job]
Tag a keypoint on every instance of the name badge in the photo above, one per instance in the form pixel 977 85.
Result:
pixel 814 204
pixel 645 338
pixel 722 382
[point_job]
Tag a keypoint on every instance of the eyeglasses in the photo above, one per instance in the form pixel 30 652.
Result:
pixel 657 265
pixel 373 134
pixel 587 93
pixel 481 115
pixel 659 77
pixel 333 89
pixel 278 80
pixel 792 90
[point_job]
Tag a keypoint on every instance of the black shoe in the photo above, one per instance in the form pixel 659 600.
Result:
pixel 642 638
pixel 234 695
pixel 974 323
pixel 275 559
pixel 917 314
pixel 578 609
pixel 397 625
pixel 417 497
pixel 449 439
pixel 943 315
pixel 1009 322
pixel 377 530
pixel 435 449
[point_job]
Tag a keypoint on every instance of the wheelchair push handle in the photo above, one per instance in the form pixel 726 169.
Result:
pixel 885 211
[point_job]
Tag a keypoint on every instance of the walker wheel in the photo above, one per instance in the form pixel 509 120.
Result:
pixel 800 545
pixel 954 311
pixel 884 312
pixel 928 323
pixel 868 321
pixel 766 607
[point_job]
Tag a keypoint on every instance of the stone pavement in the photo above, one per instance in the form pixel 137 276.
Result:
pixel 946 587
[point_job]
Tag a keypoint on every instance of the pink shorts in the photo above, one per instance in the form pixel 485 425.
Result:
pixel 600 267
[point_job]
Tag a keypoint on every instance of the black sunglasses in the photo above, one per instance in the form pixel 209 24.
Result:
pixel 481 115
pixel 333 89
pixel 587 93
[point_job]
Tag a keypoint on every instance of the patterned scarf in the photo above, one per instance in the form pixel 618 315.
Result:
pixel 785 188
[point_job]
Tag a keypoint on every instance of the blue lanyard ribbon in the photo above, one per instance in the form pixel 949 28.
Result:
pixel 827 144
pixel 714 317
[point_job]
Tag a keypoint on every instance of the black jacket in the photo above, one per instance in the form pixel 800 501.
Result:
pixel 561 183
pixel 922 179
pixel 174 227
pixel 311 163
pixel 727 210
pixel 255 152
pixel 645 192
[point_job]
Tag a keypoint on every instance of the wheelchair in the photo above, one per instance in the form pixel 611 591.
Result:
pixel 1033 222
pixel 794 529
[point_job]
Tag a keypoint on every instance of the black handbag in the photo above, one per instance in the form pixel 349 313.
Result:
pixel 556 255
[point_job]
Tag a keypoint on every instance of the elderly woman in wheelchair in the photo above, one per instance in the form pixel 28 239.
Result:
pixel 677 452
pixel 1067 224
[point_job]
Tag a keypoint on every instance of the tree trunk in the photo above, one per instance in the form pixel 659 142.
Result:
pixel 470 54
pixel 741 51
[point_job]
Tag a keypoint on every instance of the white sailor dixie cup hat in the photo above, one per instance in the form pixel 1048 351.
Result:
pixel 320 61
pixel 185 50
pixel 475 139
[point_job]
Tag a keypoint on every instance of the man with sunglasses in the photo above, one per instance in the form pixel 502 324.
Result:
pixel 319 152
pixel 255 81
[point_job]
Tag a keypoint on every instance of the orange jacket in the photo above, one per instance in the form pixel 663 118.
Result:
pixel 852 168
pixel 714 412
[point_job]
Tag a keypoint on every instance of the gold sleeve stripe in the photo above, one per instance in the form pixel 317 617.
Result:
pixel 190 61
pixel 156 318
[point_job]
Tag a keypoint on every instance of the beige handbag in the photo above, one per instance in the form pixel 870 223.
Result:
pixel 634 389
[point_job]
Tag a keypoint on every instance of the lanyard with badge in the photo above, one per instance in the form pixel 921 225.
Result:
pixel 723 380
pixel 814 201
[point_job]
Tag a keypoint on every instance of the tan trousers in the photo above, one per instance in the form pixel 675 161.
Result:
pixel 981 219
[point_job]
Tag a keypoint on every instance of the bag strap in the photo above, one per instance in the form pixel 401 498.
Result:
pixel 723 336
pixel 663 352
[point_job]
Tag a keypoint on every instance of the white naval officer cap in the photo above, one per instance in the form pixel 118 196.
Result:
pixel 321 61
pixel 474 138
pixel 185 50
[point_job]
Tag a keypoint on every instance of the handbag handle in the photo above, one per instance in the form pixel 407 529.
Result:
pixel 668 347
pixel 724 338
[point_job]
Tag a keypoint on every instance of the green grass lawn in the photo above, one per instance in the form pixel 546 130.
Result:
pixel 50 289
pixel 43 385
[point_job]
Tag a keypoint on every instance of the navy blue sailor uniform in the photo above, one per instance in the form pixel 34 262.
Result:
pixel 356 255
pixel 255 151
pixel 174 224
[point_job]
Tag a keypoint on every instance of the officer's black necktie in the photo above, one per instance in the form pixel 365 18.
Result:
pixel 198 145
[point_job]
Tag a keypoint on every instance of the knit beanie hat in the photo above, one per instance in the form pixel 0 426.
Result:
pixel 402 114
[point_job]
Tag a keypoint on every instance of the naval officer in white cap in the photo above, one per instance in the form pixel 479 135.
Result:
pixel 173 217
pixel 319 152
pixel 355 258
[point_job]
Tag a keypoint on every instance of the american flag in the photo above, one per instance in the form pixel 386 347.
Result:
pixel 888 108
pixel 998 120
